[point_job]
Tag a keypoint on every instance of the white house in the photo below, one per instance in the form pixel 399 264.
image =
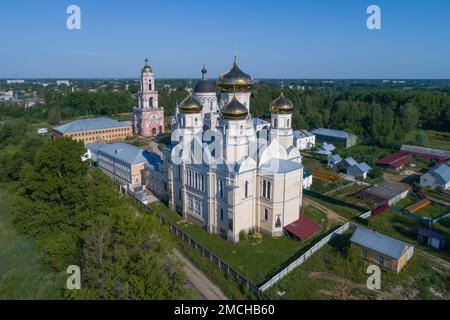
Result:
pixel 307 179
pixel 437 177
pixel 304 140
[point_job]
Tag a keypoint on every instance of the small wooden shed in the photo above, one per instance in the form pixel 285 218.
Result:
pixel 431 238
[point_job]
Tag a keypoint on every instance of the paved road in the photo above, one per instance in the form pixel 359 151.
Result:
pixel 198 279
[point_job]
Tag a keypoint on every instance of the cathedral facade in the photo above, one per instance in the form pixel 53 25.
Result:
pixel 148 115
pixel 225 170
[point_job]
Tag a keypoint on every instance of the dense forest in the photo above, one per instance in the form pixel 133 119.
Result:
pixel 378 117
pixel 76 217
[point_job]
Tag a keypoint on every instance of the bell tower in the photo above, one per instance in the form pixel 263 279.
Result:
pixel 148 115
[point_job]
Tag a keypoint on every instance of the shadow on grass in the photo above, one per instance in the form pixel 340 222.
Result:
pixel 406 227
pixel 299 253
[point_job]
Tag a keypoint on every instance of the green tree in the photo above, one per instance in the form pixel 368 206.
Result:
pixel 421 138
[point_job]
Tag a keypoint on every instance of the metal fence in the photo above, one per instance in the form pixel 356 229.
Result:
pixel 205 252
pixel 280 275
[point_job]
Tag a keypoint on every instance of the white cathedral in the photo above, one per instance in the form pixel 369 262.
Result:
pixel 226 170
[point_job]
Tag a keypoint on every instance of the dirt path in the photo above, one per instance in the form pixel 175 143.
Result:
pixel 197 278
pixel 443 263
pixel 332 215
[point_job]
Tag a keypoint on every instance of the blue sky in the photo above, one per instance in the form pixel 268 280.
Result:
pixel 273 39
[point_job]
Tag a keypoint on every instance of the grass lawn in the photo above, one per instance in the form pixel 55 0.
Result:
pixel 338 272
pixel 309 161
pixel 346 190
pixel 409 200
pixel 341 209
pixel 22 275
pixel 435 139
pixel 433 211
pixel 319 217
pixel 398 226
pixel 322 186
pixel 257 262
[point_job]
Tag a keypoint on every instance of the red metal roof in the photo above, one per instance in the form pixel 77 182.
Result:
pixel 395 160
pixel 303 228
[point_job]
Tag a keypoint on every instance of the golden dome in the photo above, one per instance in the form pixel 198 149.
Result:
pixel 235 110
pixel 146 68
pixel 235 80
pixel 282 105
pixel 190 105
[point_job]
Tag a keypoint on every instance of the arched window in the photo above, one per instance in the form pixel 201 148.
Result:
pixel 278 223
pixel 221 188
pixel 196 121
pixel 266 214
pixel 275 122
pixel 268 189
pixel 246 189
pixel 150 85
pixel 288 122
pixel 264 188
pixel 221 214
pixel 196 180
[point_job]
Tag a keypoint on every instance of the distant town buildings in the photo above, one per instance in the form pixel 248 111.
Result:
pixel 15 81
pixel 6 96
pixel 95 130
pixel 31 102
pixel 337 137
pixel 63 82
